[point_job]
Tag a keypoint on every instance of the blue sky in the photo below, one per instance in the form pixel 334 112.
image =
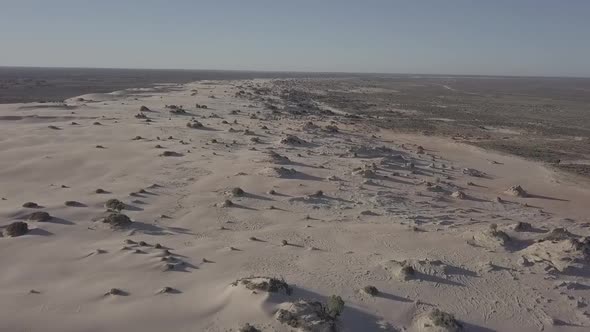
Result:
pixel 495 37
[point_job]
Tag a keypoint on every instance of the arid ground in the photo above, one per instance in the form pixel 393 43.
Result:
pixel 544 119
pixel 348 204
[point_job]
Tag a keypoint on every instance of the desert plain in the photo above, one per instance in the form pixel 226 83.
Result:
pixel 222 206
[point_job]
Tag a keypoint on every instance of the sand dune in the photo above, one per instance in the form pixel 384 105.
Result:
pixel 327 205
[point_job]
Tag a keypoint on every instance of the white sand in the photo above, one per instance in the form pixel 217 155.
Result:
pixel 354 230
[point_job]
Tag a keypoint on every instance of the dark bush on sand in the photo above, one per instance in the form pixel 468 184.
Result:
pixel 117 220
pixel 17 228
pixel 40 216
pixel 114 204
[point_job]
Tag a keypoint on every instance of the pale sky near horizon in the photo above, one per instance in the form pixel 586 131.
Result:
pixel 496 37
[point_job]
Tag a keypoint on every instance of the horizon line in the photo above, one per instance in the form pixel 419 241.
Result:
pixel 300 72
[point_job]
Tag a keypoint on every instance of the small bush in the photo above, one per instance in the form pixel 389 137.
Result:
pixel 271 285
pixel 31 205
pixel 444 319
pixel 371 290
pixel 114 204
pixel 117 220
pixel 335 306
pixel 40 216
pixel 17 228
pixel 237 192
